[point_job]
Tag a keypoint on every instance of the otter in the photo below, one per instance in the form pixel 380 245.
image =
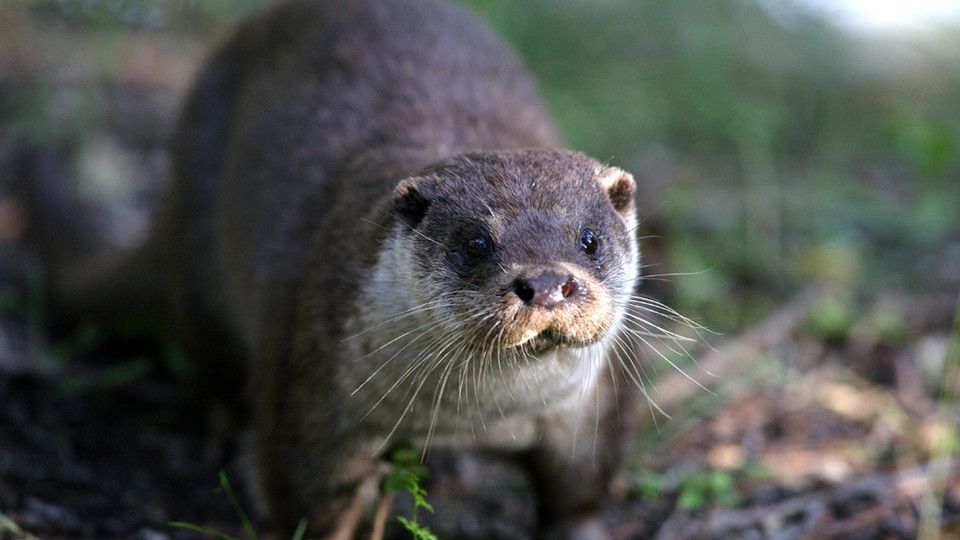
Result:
pixel 373 212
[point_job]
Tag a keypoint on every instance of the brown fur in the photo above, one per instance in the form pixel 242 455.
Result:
pixel 333 164
pixel 325 107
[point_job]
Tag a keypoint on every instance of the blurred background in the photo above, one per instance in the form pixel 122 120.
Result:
pixel 799 171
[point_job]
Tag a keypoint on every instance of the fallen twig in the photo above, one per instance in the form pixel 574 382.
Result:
pixel 735 356
pixel 383 512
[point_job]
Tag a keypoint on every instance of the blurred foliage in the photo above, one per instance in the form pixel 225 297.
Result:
pixel 181 15
pixel 774 150
pixel 831 320
pixel 699 489
pixel 797 153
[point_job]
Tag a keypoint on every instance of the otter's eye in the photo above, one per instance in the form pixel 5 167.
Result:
pixel 477 247
pixel 588 242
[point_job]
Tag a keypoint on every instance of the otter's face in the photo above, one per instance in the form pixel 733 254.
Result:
pixel 530 250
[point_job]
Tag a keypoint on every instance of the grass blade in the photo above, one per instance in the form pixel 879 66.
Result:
pixel 201 530
pixel 301 530
pixel 247 524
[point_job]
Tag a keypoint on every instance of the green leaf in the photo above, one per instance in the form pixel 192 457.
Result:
pixel 301 530
pixel 691 499
pixel 228 489
pixel 201 530
pixel 418 532
pixel 647 484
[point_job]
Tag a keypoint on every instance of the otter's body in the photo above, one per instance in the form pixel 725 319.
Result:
pixel 360 216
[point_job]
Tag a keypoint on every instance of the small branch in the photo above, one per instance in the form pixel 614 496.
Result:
pixel 380 518
pixel 674 389
pixel 365 493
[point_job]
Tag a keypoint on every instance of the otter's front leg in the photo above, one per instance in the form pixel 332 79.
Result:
pixel 310 463
pixel 329 486
pixel 572 463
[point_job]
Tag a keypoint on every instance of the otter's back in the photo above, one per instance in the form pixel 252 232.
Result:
pixel 316 104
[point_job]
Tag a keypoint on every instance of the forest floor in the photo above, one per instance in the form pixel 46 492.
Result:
pixel 798 439
pixel 817 422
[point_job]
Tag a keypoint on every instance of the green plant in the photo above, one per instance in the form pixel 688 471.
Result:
pixel 700 485
pixel 249 532
pixel 647 484
pixel 406 476
pixel 831 320
pixel 700 488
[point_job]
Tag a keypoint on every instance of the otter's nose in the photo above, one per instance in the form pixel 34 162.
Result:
pixel 546 290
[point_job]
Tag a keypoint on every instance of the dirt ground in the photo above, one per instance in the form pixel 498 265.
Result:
pixel 822 452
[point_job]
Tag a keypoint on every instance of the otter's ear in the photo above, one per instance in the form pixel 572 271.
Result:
pixel 410 202
pixel 620 187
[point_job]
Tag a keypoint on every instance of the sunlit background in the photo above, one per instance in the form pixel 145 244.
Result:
pixel 888 16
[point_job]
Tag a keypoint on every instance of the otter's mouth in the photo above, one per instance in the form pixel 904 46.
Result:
pixel 549 340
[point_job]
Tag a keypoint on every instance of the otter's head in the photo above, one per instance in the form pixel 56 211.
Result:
pixel 529 250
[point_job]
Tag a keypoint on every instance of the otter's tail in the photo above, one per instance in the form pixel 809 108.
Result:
pixel 85 276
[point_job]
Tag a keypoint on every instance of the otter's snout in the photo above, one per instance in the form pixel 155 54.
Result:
pixel 547 289
pixel 553 306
